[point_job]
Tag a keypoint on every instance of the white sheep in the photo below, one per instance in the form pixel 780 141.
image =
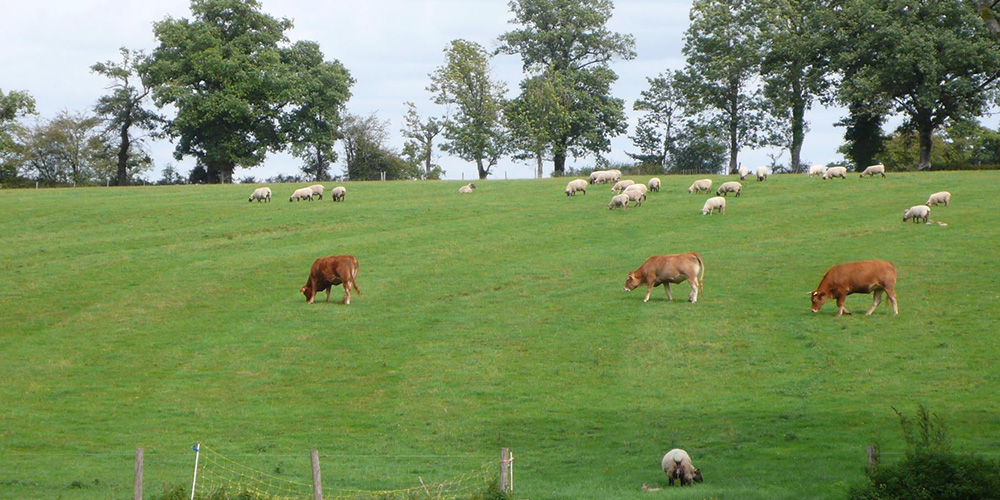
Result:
pixel 621 185
pixel 729 187
pixel 939 197
pixel 595 177
pixel 654 184
pixel 576 185
pixel 638 187
pixel 916 213
pixel 338 193
pixel 317 190
pixel 301 194
pixel 614 175
pixel 762 173
pixel 677 465
pixel 466 189
pixel 259 194
pixel 635 196
pixel 873 171
pixel 712 204
pixel 816 170
pixel 619 200
pixel 835 172
pixel 743 173
pixel 701 185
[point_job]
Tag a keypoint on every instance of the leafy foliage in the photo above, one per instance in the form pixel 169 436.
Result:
pixel 367 154
pixel 419 146
pixel 930 470
pixel 664 105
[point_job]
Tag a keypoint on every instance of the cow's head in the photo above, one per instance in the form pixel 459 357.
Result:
pixel 308 292
pixel 632 282
pixel 818 299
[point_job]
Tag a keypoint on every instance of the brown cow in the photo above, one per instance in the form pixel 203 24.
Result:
pixel 330 271
pixel 667 269
pixel 867 276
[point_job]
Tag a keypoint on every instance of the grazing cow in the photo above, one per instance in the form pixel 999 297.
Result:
pixel 667 269
pixel 327 272
pixel 867 276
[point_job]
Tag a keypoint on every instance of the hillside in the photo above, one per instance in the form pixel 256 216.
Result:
pixel 158 317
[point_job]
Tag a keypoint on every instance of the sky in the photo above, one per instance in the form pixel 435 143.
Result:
pixel 389 46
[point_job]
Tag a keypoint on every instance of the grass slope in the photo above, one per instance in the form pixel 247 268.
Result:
pixel 158 317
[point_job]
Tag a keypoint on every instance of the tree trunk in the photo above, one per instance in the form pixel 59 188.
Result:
pixel 538 158
pixel 734 146
pixel 123 153
pixel 482 171
pixel 926 136
pixel 558 161
pixel 986 12
pixel 798 127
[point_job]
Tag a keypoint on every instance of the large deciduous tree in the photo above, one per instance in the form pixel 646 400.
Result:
pixel 321 89
pixel 723 51
pixel 123 110
pixel 930 60
pixel 13 106
pixel 567 42
pixel 795 67
pixel 474 127
pixel 663 105
pixel 366 154
pixel 420 135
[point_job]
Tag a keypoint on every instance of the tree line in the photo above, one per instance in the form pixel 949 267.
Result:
pixel 228 87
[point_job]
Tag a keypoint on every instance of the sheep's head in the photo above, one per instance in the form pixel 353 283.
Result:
pixel 697 476
pixel 632 282
pixel 818 299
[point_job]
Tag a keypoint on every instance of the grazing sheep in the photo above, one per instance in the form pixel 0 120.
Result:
pixel 638 187
pixel 762 173
pixel 677 465
pixel 701 185
pixel 594 176
pixel 576 185
pixel 614 175
pixel 743 173
pixel 635 196
pixel 939 197
pixel 317 190
pixel 621 185
pixel 338 193
pixel 620 200
pixel 729 187
pixel 712 204
pixel 816 170
pixel 301 194
pixel 654 184
pixel 916 213
pixel 261 194
pixel 835 172
pixel 873 171
pixel 466 189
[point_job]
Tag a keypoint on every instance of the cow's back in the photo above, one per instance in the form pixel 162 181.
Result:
pixel 856 274
pixel 333 269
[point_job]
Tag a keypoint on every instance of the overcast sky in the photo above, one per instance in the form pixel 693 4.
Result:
pixel 389 46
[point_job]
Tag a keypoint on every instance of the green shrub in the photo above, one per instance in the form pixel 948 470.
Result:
pixel 930 470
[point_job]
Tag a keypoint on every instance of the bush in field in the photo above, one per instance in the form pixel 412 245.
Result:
pixel 930 470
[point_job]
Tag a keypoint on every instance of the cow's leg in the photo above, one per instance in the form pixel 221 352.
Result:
pixel 693 298
pixel 875 301
pixel 649 290
pixel 891 292
pixel 666 286
pixel 328 289
pixel 347 292
pixel 840 306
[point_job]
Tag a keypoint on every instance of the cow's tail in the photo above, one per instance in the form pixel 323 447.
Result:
pixel 701 273
pixel 354 275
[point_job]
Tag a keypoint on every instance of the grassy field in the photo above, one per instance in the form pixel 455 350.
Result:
pixel 158 317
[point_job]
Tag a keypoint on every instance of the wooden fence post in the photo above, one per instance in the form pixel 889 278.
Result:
pixel 873 456
pixel 505 483
pixel 137 489
pixel 317 481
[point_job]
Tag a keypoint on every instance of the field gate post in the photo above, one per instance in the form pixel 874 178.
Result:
pixel 137 489
pixel 873 456
pixel 317 480
pixel 506 476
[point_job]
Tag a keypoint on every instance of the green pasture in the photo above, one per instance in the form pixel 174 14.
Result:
pixel 158 317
